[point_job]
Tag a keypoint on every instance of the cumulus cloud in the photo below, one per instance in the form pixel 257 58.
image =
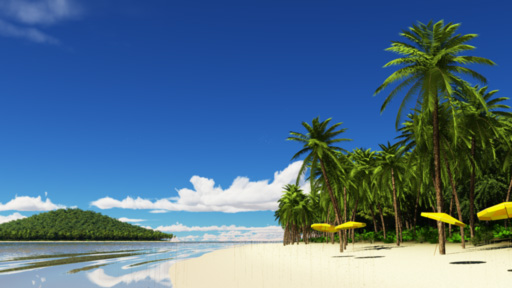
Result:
pixel 33 13
pixel 27 203
pixel 40 12
pixel 124 219
pixel 227 233
pixel 12 217
pixel 243 195
pixel 178 227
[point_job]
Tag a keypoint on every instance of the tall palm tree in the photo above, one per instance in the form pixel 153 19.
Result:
pixel 483 122
pixel 431 65
pixel 319 143
pixel 390 161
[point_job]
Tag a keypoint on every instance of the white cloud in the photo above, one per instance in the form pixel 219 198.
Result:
pixel 12 217
pixel 242 195
pixel 178 227
pixel 41 11
pixel 158 211
pixel 26 203
pixel 227 233
pixel 31 34
pixel 124 219
pixel 269 235
pixel 185 239
pixel 33 13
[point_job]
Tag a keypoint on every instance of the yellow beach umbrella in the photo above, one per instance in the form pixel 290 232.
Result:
pixel 443 217
pixel 350 225
pixel 496 212
pixel 324 228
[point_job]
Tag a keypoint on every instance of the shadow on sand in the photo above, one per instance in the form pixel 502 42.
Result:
pixel 467 262
pixel 369 257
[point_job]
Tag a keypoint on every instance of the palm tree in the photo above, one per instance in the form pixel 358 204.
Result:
pixel 483 123
pixel 318 142
pixel 431 65
pixel 390 161
pixel 287 213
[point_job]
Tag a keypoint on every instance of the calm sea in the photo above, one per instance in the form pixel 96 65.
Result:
pixel 97 264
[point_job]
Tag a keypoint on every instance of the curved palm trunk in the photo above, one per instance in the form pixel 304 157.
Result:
pixel 456 198
pixel 437 174
pixel 333 198
pixel 472 189
pixel 395 207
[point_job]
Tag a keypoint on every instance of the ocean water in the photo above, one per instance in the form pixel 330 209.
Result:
pixel 95 264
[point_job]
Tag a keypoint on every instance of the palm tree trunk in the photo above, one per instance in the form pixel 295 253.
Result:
pixel 472 190
pixel 397 228
pixel 416 208
pixel 456 199
pixel 508 192
pixel 327 221
pixel 373 218
pixel 285 240
pixel 450 213
pixel 437 174
pixel 354 219
pixel 382 220
pixel 400 218
pixel 345 214
pixel 508 197
pixel 331 194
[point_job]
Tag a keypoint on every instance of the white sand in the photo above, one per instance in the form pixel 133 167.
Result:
pixel 321 265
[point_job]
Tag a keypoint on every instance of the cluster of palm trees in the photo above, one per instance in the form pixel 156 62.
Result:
pixel 454 147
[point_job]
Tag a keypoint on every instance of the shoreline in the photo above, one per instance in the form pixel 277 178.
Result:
pixel 361 265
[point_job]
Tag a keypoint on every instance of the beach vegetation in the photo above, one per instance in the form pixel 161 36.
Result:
pixel 453 153
pixel 75 225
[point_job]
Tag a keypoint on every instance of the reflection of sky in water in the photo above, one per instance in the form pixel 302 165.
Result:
pixel 148 270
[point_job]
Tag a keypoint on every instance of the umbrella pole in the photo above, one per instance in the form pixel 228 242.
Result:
pixel 435 250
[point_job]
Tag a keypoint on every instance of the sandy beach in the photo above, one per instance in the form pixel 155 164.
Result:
pixel 361 265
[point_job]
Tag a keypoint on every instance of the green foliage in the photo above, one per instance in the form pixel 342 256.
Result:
pixel 500 232
pixel 427 234
pixel 483 235
pixel 390 239
pixel 75 224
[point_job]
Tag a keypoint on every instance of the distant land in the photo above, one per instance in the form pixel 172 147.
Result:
pixel 75 225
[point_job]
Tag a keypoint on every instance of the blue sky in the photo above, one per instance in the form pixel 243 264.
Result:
pixel 184 106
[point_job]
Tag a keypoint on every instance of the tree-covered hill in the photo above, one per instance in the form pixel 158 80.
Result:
pixel 75 224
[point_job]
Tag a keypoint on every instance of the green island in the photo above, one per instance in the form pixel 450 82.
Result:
pixel 75 225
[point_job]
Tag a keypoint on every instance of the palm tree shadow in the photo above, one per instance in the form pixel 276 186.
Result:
pixel 467 262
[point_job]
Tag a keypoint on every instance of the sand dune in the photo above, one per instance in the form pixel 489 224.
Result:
pixel 361 265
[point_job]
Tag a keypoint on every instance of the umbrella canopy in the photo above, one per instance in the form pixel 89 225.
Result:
pixel 350 225
pixel 324 228
pixel 496 212
pixel 443 217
